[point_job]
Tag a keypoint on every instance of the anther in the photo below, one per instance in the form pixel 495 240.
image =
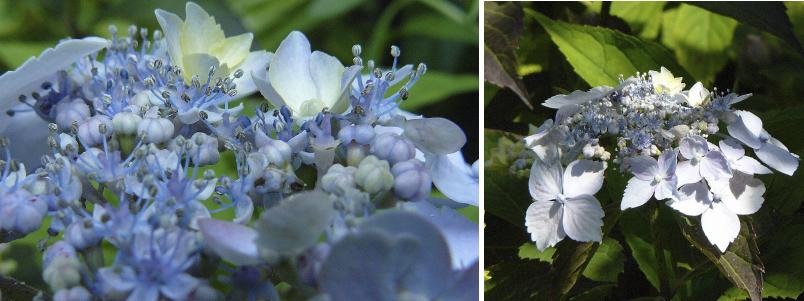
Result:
pixel 356 50
pixel 377 73
pixel 238 73
pixel 403 93
pixel 395 52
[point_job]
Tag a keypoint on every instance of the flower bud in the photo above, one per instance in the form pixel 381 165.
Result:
pixel 71 111
pixel 82 235
pixel 412 182
pixel 393 148
pixel 206 149
pixel 338 179
pixel 22 212
pixel 78 293
pixel 62 273
pixel 360 134
pixel 156 130
pixel 67 143
pixel 126 123
pixel 374 175
pixel 277 152
pixel 89 131
pixel 58 249
pixel 143 99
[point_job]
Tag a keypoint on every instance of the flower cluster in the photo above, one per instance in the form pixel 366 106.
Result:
pixel 668 138
pixel 135 124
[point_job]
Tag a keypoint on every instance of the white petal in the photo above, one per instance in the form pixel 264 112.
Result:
pixel 199 64
pixel 666 189
pixel 643 167
pixel 731 149
pixel 583 177
pixel 565 112
pixel 171 26
pixel 289 73
pixel 667 163
pixel 264 85
pixel 746 128
pixel 715 166
pixel 692 146
pixel 545 180
pixel 256 63
pixel 543 221
pixel 693 200
pixel 750 166
pixel 453 177
pixel 435 135
pixel 583 218
pixel 686 173
pixel 778 158
pixel 200 31
pixel 233 51
pixel 637 193
pixel 575 98
pixel 744 194
pixel 326 71
pixel 233 242
pixel 720 225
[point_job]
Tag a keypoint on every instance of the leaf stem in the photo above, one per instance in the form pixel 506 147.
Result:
pixel 658 250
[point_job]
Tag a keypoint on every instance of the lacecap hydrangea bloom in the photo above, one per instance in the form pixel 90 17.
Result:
pixel 111 141
pixel 672 143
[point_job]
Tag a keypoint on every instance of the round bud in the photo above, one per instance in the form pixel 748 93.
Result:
pixel 22 212
pixel 78 293
pixel 126 123
pixel 156 130
pixel 277 152
pixel 205 150
pixel 89 130
pixel 67 143
pixel 374 175
pixel 360 134
pixel 339 179
pixel 62 273
pixel 393 148
pixel 412 182
pixel 71 111
pixel 82 235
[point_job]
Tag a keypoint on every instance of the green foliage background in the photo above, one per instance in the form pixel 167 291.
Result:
pixel 537 50
pixel 441 33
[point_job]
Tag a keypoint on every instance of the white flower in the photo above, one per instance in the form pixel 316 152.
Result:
pixel 697 95
pixel 664 82
pixel 564 202
pixel 735 155
pixel 198 44
pixel 651 177
pixel 747 128
pixel 740 195
pixel 704 161
pixel 304 81
pixel 577 97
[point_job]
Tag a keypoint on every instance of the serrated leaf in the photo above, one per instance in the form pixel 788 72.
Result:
pixel 600 55
pixel 699 38
pixel 740 263
pixel 607 262
pixel 502 28
pixel 768 16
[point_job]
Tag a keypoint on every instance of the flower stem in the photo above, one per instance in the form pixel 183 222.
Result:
pixel 658 250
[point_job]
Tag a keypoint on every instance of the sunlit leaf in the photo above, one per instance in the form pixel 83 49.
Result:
pixel 607 262
pixel 600 55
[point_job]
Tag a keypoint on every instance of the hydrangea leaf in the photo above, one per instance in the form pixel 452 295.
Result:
pixel 700 39
pixel 740 263
pixel 502 27
pixel 600 55
pixel 506 279
pixel 506 193
pixel 607 262
pixel 767 16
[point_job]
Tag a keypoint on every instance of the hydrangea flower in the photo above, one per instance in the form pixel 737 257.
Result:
pixel 130 125
pixel 652 119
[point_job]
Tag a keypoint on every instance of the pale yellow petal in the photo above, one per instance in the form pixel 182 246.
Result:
pixel 200 31
pixel 234 50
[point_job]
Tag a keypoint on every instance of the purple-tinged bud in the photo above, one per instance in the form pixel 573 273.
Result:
pixel 22 212
pixel 205 151
pixel 71 111
pixel 89 131
pixel 58 249
pixel 82 235
pixel 360 134
pixel 393 148
pixel 412 182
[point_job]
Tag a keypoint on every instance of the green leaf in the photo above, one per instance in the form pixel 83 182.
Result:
pixel 768 16
pixel 700 39
pixel 740 263
pixel 529 251
pixel 439 28
pixel 784 263
pixel 435 86
pixel 502 27
pixel 446 9
pixel 600 292
pixel 643 17
pixel 506 192
pixel 607 263
pixel 600 55
pixel 507 277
